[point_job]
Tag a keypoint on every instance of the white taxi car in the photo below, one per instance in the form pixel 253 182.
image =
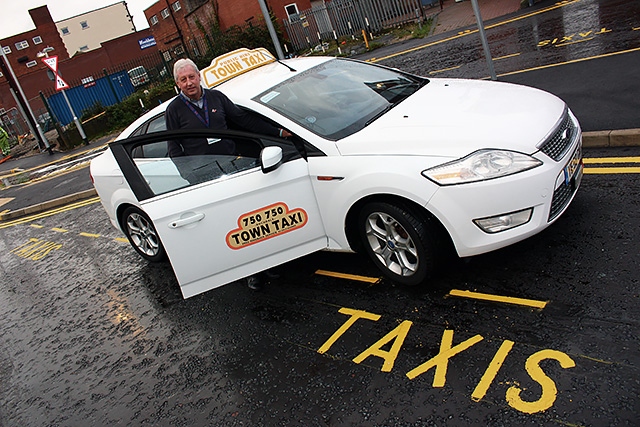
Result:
pixel 396 165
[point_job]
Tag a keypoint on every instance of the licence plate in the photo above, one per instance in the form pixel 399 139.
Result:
pixel 573 165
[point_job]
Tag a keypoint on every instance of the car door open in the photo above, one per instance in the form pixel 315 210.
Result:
pixel 222 216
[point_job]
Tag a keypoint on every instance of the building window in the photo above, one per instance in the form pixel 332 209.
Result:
pixel 165 13
pixel 178 50
pixel 194 47
pixel 22 45
pixel 292 9
pixel 83 48
pixel 153 20
pixel 167 55
pixel 84 25
pixel 31 64
pixel 6 49
pixel 176 6
pixel 37 40
pixel 64 30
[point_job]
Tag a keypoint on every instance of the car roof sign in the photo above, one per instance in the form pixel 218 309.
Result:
pixel 231 64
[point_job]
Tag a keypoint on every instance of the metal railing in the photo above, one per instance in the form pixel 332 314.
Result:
pixel 340 18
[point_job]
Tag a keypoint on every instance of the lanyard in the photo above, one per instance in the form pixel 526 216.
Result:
pixel 205 109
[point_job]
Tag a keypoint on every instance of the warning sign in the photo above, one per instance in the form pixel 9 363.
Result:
pixel 51 62
pixel 265 223
pixel 60 84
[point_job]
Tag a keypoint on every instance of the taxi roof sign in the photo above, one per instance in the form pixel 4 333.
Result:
pixel 232 64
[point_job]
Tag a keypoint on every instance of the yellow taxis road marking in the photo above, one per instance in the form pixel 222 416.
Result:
pixel 348 276
pixel 49 213
pixel 466 33
pixel 389 346
pixel 497 298
pixel 573 42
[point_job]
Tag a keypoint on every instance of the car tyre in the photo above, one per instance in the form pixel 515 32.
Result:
pixel 142 234
pixel 400 243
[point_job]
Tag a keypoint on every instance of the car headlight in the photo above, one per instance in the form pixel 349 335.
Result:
pixel 480 166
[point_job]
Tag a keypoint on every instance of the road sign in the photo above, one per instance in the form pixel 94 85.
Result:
pixel 51 62
pixel 61 84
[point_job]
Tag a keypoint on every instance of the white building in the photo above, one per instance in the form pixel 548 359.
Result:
pixel 85 32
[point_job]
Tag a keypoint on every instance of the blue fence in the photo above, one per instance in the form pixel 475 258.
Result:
pixel 107 91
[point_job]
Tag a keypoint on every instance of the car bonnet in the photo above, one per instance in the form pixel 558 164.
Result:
pixel 454 117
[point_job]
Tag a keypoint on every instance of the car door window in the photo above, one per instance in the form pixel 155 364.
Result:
pixel 157 149
pixel 165 174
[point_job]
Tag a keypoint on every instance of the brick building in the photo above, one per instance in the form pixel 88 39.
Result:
pixel 22 52
pixel 178 25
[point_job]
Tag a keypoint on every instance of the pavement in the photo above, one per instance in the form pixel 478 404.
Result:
pixel 16 173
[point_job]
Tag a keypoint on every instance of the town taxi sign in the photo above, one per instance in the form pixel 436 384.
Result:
pixel 232 64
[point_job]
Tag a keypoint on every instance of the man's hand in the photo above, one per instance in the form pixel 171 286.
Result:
pixel 285 133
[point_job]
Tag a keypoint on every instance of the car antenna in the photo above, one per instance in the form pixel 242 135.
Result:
pixel 280 62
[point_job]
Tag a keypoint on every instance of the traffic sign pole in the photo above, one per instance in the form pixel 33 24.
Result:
pixel 30 118
pixel 61 85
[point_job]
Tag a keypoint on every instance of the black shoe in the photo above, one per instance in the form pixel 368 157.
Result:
pixel 253 282
pixel 271 274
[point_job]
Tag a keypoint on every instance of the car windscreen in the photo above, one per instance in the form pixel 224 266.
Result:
pixel 339 97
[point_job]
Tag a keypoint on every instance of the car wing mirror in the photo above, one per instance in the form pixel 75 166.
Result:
pixel 270 158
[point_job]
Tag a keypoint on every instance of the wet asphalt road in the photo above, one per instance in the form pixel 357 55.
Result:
pixel 92 335
pixel 602 92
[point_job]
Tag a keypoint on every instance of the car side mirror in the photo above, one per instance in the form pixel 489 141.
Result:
pixel 270 158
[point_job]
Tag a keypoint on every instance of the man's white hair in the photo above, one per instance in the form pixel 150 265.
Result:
pixel 183 63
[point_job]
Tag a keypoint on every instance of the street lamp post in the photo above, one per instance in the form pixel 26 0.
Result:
pixel 272 30
pixel 483 38
pixel 33 124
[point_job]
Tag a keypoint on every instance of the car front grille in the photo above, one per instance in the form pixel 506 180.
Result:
pixel 560 141
pixel 561 197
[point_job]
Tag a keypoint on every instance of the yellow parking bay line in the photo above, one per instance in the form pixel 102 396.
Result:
pixel 497 298
pixel 606 160
pixel 348 276
pixel 90 235
pixel 610 170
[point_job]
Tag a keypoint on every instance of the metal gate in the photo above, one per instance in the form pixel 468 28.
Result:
pixel 339 18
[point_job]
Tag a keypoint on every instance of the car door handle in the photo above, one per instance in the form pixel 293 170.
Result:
pixel 186 221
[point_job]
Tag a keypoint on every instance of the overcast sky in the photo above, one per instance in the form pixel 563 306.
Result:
pixel 16 19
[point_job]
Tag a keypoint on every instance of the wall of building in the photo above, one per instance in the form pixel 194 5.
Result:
pixel 85 32
pixel 121 53
pixel 176 27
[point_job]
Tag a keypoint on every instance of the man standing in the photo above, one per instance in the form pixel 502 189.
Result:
pixel 198 108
